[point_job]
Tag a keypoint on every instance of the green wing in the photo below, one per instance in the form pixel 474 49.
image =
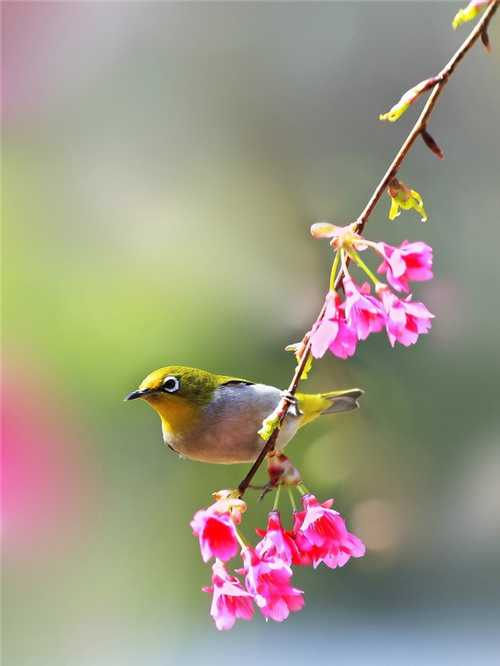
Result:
pixel 233 381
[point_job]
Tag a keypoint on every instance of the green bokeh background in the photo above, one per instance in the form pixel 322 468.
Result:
pixel 162 165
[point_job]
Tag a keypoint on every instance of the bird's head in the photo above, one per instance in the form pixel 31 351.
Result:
pixel 177 383
pixel 177 393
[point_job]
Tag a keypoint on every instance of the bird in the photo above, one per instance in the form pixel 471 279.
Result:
pixel 216 418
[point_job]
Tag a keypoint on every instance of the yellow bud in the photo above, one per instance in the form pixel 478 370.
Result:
pixel 408 98
pixel 270 424
pixel 395 112
pixel 323 230
pixel 471 11
pixel 403 197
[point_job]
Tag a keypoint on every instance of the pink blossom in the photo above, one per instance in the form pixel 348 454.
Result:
pixel 230 600
pixel 333 332
pixel 409 261
pixel 277 542
pixel 322 535
pixel 216 531
pixel 341 236
pixel 268 581
pixel 405 320
pixel 364 313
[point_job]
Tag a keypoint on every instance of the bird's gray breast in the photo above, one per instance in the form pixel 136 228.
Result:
pixel 228 429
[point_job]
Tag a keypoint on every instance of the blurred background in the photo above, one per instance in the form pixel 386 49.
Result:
pixel 162 165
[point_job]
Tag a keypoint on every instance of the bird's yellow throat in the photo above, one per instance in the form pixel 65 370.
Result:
pixel 177 415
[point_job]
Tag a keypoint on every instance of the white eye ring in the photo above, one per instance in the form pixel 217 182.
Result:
pixel 170 384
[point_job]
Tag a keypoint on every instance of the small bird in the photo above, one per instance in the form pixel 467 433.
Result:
pixel 215 419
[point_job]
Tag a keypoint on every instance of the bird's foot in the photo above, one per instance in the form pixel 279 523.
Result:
pixel 269 487
pixel 293 402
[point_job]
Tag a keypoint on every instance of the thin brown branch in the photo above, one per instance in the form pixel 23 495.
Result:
pixel 479 32
pixel 422 121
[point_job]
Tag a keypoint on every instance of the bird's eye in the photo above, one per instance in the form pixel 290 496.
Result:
pixel 170 384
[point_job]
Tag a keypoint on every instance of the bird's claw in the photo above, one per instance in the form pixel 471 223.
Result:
pixel 293 401
pixel 289 397
pixel 269 487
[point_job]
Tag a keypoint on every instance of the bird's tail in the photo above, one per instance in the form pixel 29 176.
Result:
pixel 328 403
pixel 342 401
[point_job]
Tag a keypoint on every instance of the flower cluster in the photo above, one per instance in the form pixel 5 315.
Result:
pixel 346 321
pixel 319 535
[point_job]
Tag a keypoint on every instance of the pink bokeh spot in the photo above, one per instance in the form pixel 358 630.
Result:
pixel 47 490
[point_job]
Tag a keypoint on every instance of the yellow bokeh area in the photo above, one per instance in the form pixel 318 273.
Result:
pixel 162 166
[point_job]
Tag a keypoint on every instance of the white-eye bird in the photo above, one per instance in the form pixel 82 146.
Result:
pixel 216 419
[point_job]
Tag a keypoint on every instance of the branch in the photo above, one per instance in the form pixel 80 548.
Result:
pixel 421 124
pixel 438 84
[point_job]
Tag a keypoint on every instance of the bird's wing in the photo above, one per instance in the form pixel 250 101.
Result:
pixel 233 381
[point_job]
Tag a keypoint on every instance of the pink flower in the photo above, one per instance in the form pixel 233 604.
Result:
pixel 268 581
pixel 321 533
pixel 333 332
pixel 230 599
pixel 405 320
pixel 409 261
pixel 364 313
pixel 216 531
pixel 341 236
pixel 277 542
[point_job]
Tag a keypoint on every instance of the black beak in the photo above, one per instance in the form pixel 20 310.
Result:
pixel 141 393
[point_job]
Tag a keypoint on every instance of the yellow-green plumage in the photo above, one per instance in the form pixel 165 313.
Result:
pixel 215 418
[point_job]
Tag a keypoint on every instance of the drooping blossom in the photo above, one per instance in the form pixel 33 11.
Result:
pixel 230 600
pixel 321 533
pixel 332 332
pixel 216 531
pixel 364 314
pixel 403 197
pixel 227 502
pixel 408 262
pixel 268 581
pixel 277 542
pixel 405 320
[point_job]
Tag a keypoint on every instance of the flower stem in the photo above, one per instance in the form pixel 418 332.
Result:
pixel 334 270
pixel 357 259
pixel 301 487
pixel 241 540
pixel 277 498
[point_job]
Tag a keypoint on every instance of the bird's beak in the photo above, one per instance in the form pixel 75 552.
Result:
pixel 140 393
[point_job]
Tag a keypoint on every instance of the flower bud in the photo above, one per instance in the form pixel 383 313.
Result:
pixel 430 143
pixel 403 197
pixel 281 470
pixel 471 11
pixel 408 98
